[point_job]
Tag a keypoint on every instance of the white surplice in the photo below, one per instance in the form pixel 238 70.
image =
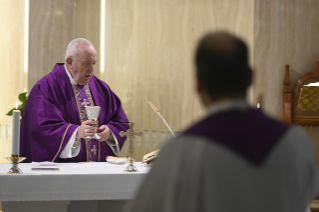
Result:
pixel 195 174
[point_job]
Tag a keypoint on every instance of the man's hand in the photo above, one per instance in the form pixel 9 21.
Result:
pixel 104 133
pixel 86 130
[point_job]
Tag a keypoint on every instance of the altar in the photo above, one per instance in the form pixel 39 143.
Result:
pixel 88 186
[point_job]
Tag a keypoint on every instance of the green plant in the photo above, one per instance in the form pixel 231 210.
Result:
pixel 23 98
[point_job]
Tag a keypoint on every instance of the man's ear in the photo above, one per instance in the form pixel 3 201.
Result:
pixel 250 77
pixel 69 62
pixel 199 84
pixel 202 92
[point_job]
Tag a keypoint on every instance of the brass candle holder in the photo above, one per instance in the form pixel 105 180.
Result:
pixel 15 159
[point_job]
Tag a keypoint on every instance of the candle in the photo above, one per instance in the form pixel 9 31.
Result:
pixel 16 131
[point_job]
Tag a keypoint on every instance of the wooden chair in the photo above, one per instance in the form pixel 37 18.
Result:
pixel 301 105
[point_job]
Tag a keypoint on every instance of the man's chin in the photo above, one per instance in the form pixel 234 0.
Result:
pixel 84 82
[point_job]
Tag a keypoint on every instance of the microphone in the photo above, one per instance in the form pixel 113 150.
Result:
pixel 156 110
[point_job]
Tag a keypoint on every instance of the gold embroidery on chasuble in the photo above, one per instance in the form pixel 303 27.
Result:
pixel 83 117
pixel 61 142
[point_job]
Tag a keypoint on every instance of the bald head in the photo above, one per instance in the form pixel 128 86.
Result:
pixel 80 58
pixel 222 65
pixel 76 47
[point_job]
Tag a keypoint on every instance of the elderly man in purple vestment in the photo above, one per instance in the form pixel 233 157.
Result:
pixel 54 124
pixel 236 159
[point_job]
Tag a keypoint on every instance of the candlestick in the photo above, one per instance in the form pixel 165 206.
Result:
pixel 16 131
pixel 15 159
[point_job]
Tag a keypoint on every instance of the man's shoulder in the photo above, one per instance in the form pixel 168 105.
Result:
pixel 99 81
pixel 50 79
pixel 100 85
pixel 297 136
pixel 45 81
pixel 249 133
pixel 235 119
pixel 181 143
pixel 293 141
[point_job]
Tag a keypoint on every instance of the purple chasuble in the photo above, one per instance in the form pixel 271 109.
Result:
pixel 248 133
pixel 53 112
pixel 84 98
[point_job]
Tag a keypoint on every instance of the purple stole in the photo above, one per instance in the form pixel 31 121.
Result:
pixel 84 98
pixel 250 133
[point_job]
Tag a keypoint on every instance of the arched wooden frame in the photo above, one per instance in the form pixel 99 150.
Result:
pixel 290 100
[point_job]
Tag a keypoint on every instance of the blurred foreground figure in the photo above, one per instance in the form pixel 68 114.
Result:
pixel 236 158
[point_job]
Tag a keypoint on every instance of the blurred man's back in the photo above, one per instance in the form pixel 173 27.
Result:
pixel 236 158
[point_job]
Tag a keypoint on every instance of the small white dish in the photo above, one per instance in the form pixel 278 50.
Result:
pixel 117 160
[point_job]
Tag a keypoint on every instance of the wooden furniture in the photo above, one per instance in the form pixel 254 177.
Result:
pixel 301 105
pixel 314 206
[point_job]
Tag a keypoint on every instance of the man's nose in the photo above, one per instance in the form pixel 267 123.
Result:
pixel 91 69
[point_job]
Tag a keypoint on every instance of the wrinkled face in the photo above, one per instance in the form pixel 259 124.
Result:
pixel 82 67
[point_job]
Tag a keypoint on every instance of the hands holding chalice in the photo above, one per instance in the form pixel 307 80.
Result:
pixel 89 129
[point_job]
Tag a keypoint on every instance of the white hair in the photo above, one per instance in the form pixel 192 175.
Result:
pixel 73 49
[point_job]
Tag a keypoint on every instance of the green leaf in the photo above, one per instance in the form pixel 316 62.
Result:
pixel 21 107
pixel 23 97
pixel 10 112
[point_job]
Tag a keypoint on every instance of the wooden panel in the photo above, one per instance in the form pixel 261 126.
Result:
pixel 149 54
pixel 285 32
pixel 13 78
pixel 88 24
pixel 52 27
pixel 287 98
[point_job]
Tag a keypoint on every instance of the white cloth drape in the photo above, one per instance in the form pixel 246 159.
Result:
pixel 74 181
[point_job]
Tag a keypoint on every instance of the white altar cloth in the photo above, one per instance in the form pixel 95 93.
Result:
pixel 74 181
